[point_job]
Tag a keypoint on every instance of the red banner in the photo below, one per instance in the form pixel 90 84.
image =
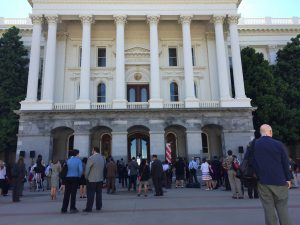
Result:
pixel 168 153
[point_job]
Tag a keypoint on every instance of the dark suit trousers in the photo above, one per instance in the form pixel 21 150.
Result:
pixel 92 188
pixel 157 182
pixel 70 190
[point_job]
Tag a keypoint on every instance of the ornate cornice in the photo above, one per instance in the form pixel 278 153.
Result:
pixel 233 19
pixel 217 19
pixel 120 19
pixel 86 18
pixel 36 19
pixel 185 19
pixel 52 18
pixel 153 19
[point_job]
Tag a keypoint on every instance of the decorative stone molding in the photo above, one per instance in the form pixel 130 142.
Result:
pixel 36 19
pixel 153 19
pixel 120 19
pixel 217 19
pixel 185 19
pixel 86 18
pixel 233 19
pixel 52 18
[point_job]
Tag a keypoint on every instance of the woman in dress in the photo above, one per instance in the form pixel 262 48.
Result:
pixel 55 170
pixel 206 168
pixel 82 181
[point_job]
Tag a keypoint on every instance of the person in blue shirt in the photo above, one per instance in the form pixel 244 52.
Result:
pixel 75 170
pixel 271 166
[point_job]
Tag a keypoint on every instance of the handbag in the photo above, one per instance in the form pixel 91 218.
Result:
pixel 246 169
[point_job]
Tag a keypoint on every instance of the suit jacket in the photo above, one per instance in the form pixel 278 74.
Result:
pixel 157 169
pixel 112 169
pixel 94 168
pixel 271 162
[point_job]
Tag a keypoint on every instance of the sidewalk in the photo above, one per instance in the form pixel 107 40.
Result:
pixel 176 207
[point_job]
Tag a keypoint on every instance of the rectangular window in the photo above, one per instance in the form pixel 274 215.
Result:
pixel 193 56
pixel 172 57
pixel 101 57
pixel 80 55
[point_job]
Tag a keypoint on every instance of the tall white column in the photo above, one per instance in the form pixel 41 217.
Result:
pixel 190 100
pixel 194 143
pixel 49 77
pixel 120 88
pixel 221 61
pixel 236 58
pixel 155 101
pixel 84 101
pixel 34 65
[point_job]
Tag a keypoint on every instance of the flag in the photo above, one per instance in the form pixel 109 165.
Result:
pixel 168 153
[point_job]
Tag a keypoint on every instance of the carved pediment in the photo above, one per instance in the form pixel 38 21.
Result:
pixel 137 51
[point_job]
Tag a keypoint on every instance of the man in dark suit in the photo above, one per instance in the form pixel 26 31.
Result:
pixel 94 176
pixel 272 169
pixel 157 175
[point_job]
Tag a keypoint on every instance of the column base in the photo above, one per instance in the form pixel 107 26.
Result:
pixel 191 103
pixel 36 105
pixel 236 103
pixel 119 104
pixel 156 103
pixel 83 104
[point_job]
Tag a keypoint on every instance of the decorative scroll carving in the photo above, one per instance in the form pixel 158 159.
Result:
pixel 87 19
pixel 217 19
pixel 52 18
pixel 153 19
pixel 185 19
pixel 120 19
pixel 36 19
pixel 233 19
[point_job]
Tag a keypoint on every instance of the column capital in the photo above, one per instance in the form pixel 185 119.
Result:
pixel 36 19
pixel 233 19
pixel 120 19
pixel 52 18
pixel 185 19
pixel 217 19
pixel 86 19
pixel 153 19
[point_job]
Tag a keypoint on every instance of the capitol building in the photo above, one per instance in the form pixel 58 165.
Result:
pixel 130 76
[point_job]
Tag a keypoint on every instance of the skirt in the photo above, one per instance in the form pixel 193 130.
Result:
pixel 206 176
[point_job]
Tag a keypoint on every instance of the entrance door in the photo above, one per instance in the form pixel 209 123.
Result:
pixel 139 146
pixel 138 93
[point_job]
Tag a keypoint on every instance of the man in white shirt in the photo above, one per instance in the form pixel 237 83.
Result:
pixel 193 167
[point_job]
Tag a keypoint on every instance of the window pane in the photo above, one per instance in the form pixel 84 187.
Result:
pixel 144 149
pixel 172 57
pixel 80 55
pixel 174 92
pixel 196 90
pixel 204 143
pixel 101 57
pixel 132 95
pixel 101 96
pixel 133 148
pixel 144 95
pixel 193 57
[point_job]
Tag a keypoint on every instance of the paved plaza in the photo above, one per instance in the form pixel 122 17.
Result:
pixel 176 207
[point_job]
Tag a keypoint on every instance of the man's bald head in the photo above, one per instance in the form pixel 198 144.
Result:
pixel 266 130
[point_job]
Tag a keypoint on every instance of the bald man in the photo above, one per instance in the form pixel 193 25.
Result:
pixel 272 169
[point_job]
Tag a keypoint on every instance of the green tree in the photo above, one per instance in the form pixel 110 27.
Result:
pixel 13 76
pixel 287 73
pixel 261 87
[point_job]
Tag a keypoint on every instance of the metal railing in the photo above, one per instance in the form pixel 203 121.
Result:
pixel 137 105
pixel 209 104
pixel 174 105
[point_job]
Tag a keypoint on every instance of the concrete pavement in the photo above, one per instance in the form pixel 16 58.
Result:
pixel 176 207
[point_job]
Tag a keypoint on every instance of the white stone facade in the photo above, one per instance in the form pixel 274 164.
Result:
pixel 147 46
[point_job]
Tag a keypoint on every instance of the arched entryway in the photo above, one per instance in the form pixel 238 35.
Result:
pixel 212 141
pixel 62 142
pixel 176 137
pixel 101 138
pixel 138 143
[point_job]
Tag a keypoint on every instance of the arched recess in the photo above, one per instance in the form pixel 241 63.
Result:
pixel 62 142
pixel 138 143
pixel 176 136
pixel 213 133
pixel 101 138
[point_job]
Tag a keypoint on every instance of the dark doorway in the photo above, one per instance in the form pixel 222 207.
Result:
pixel 139 146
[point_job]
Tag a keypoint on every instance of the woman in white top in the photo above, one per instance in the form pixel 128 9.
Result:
pixel 2 176
pixel 206 168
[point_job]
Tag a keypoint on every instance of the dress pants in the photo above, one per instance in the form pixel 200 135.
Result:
pixel 111 184
pixel 274 198
pixel 91 189
pixel 132 180
pixel 157 182
pixel 71 185
pixel 235 184
pixel 17 185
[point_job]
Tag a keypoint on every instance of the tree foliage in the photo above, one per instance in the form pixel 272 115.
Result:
pixel 13 76
pixel 275 90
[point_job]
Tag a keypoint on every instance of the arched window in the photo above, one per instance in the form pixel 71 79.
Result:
pixel 196 90
pixel 78 90
pixel 144 95
pixel 101 95
pixel 204 143
pixel 174 92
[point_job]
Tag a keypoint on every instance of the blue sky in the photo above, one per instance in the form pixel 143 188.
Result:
pixel 248 8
